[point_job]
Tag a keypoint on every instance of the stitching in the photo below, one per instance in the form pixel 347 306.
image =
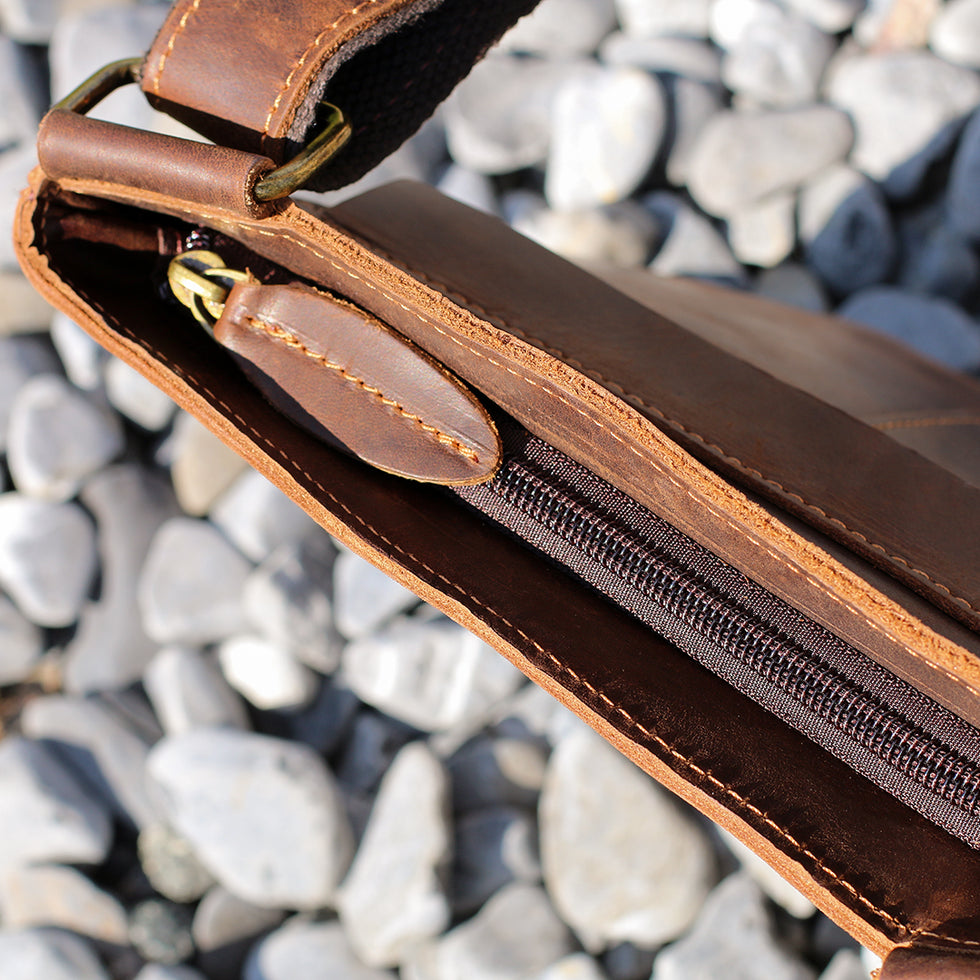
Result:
pixel 170 46
pixel 927 422
pixel 314 44
pixel 291 340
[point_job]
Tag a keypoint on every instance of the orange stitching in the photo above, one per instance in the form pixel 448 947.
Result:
pixel 725 788
pixel 314 44
pixel 291 340
pixel 170 46
pixel 915 423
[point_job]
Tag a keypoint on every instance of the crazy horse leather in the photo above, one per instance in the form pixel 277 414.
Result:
pixel 609 382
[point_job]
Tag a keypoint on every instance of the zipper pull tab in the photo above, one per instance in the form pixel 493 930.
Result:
pixel 342 374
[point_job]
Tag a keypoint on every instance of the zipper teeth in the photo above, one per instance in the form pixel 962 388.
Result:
pixel 652 571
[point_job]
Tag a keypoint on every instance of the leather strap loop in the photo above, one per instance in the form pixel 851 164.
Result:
pixel 250 74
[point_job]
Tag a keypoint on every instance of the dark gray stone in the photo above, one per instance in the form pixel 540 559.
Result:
pixel 504 771
pixel 161 931
pixel 963 208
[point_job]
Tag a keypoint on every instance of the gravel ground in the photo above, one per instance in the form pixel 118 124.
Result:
pixel 270 762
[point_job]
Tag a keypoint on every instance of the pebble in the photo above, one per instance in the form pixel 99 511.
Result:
pixel 693 246
pixel 32 954
pixel 770 881
pixel 514 936
pixel 111 648
pixel 607 125
pixel 257 517
pixel 49 895
pixel 955 33
pixel 84 359
pixel 493 847
pixel 932 326
pixel 846 230
pixel 47 558
pixel 57 438
pixel 21 360
pixel 99 747
pixel 435 676
pixel 626 961
pixel 265 674
pixel 671 18
pixel 393 898
pixel 692 105
pixel 161 931
pixel 187 691
pixel 192 602
pixel 793 284
pixel 743 157
pixel 24 310
pixel 732 937
pixel 15 166
pixel 21 644
pixel 936 259
pixel 832 16
pixel 503 771
pixel 497 119
pixel 158 971
pixel 620 234
pixel 778 58
pixel 764 233
pixel 683 57
pixel 45 811
pixel 578 966
pixel 170 864
pixel 561 28
pixel 364 597
pixel 224 926
pixel 137 398
pixel 962 206
pixel 325 722
pixel 201 465
pixel 29 21
pixel 469 187
pixel 20 102
pixel 656 867
pixel 906 107
pixel 372 743
pixel 845 965
pixel 263 815
pixel 287 600
pixel 311 950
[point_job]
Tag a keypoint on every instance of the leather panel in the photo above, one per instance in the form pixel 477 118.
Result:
pixel 925 963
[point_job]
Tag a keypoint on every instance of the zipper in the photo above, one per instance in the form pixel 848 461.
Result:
pixel 881 726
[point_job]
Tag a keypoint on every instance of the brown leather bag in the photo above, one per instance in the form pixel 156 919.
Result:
pixel 743 541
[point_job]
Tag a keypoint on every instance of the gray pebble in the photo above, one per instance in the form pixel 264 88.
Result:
pixel 626 961
pixel 963 207
pixel 257 517
pixel 578 966
pixel 906 106
pixel 24 311
pixel 692 104
pixel 16 164
pixel 30 21
pixel 740 158
pixel 657 866
pixel 47 558
pixel 489 772
pixel 364 597
pixel 263 815
pixel 222 920
pixel 764 233
pixel 372 743
pixel 20 100
pixel 201 465
pixel 325 722
pixel 57 438
pixel 936 259
pixel 110 648
pixel 514 936
pixel 138 399
pixel 190 589
pixel 161 931
pixel 311 950
pixel 693 246
pixel 934 327
pixel 493 847
pixel 21 360
pixel 561 28
pixel 393 898
pixel 49 895
pixel 684 18
pixel 265 674
pixel 84 359
pixel 685 57
pixel 98 745
pixel 435 676
pixel 607 125
pixel 170 864
pixel 21 644
pixel 158 971
pixel 469 187
pixel 955 33
pixel 846 230
pixel 33 954
pixel 832 16
pixel 845 965
pixel 287 600
pixel 45 812
pixel 732 937
pixel 188 691
pixel 793 284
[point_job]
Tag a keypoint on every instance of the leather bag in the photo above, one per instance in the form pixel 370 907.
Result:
pixel 741 541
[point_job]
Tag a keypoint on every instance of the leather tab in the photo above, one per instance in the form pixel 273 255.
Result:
pixel 342 374
pixel 72 146
pixel 926 963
